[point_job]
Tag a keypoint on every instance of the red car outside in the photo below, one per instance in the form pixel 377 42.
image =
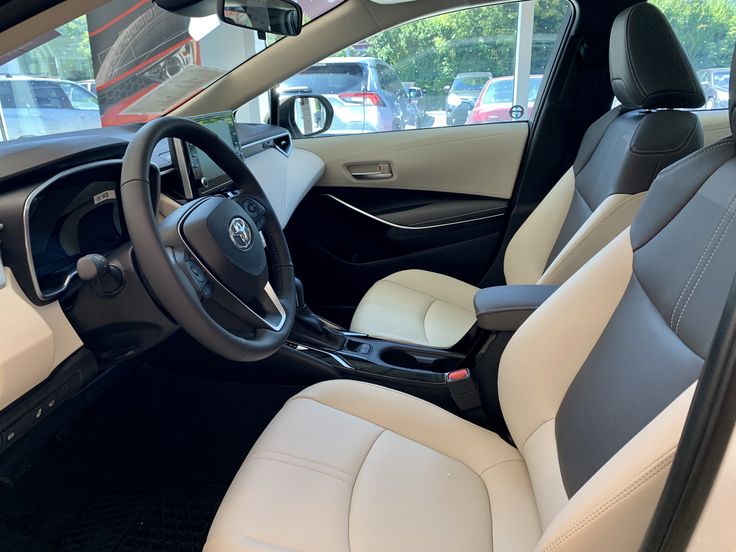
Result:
pixel 496 99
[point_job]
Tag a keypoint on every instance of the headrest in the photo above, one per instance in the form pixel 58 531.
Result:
pixel 732 95
pixel 647 63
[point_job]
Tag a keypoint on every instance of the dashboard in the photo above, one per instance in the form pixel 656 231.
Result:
pixel 67 189
pixel 73 214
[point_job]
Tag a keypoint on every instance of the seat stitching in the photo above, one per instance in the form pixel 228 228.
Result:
pixel 639 481
pixel 269 451
pixel 509 308
pixel 424 320
pixel 587 234
pixel 392 306
pixel 531 433
pixel 521 460
pixel 400 434
pixel 428 294
pixel 355 480
pixel 702 256
pixel 725 142
pixel 307 468
pixel 705 268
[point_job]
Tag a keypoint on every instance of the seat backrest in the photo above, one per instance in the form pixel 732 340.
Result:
pixel 620 155
pixel 596 385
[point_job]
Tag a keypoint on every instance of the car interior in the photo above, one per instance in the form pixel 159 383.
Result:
pixel 239 315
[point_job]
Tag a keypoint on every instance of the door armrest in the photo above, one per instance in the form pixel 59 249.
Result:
pixel 505 308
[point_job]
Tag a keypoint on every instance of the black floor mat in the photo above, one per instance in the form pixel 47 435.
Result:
pixel 142 470
pixel 125 521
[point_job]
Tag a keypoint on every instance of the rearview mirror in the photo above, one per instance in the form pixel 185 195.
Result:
pixel 306 115
pixel 282 17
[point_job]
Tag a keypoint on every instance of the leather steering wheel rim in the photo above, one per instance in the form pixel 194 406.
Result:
pixel 167 280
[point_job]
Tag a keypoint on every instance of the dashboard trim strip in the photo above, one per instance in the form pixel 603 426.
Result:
pixel 403 227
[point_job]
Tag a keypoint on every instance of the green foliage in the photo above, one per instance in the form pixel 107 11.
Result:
pixel 68 56
pixel 431 51
pixel 706 28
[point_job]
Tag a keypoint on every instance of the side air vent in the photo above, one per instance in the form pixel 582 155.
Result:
pixel 283 144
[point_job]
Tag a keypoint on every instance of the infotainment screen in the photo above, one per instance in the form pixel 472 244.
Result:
pixel 206 175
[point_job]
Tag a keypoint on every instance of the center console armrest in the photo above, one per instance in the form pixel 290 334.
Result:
pixel 505 308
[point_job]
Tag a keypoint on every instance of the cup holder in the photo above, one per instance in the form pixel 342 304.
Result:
pixel 420 360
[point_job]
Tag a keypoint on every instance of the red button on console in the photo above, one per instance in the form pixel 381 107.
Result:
pixel 458 375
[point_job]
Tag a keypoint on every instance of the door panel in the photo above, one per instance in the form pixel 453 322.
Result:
pixel 715 123
pixel 345 239
pixel 481 160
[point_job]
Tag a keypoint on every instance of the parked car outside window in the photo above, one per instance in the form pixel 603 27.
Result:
pixel 365 93
pixel 462 94
pixel 38 106
pixel 497 98
pixel 715 87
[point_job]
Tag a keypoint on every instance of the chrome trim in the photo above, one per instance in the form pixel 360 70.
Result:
pixel 26 225
pixel 270 293
pixel 401 226
pixel 299 347
pixel 164 172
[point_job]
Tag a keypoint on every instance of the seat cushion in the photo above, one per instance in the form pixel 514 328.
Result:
pixel 359 467
pixel 419 307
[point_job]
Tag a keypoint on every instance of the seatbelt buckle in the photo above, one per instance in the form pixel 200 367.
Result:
pixel 463 389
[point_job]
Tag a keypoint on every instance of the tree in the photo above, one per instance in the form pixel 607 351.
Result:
pixel 706 28
pixel 431 51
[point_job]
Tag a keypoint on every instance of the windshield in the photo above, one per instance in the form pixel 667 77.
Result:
pixel 127 61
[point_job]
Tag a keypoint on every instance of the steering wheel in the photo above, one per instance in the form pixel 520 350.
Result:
pixel 224 277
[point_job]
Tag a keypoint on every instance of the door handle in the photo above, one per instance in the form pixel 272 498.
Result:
pixel 371 171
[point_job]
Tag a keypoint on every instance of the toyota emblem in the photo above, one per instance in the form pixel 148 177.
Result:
pixel 240 233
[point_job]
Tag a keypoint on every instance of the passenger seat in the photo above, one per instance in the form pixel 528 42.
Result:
pixel 597 198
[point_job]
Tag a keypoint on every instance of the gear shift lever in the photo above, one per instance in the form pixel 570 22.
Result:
pixel 299 293
pixel 309 329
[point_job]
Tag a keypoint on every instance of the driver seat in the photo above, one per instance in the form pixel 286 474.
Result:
pixel 594 387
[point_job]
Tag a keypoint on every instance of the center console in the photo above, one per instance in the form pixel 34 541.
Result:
pixel 440 376
pixel 455 378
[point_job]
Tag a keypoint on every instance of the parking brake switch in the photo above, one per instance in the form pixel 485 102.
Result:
pixel 105 279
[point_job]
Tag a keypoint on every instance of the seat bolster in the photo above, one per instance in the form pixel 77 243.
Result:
pixel 418 307
pixel 528 251
pixel 612 511
pixel 612 216
pixel 545 354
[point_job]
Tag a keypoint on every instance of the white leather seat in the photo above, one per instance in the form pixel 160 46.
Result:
pixel 417 306
pixel 353 466
pixel 593 202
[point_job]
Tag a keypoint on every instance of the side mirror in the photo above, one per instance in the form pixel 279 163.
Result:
pixel 282 17
pixel 306 115
pixel 447 88
pixel 415 93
